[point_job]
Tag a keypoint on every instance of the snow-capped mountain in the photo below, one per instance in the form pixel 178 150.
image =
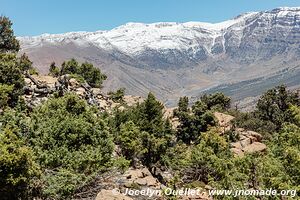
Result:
pixel 174 59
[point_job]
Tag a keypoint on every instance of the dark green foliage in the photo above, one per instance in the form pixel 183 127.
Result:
pixel 209 159
pixel 11 74
pixel 272 111
pixel 91 74
pixel 70 142
pixel 151 113
pixel 130 141
pixel 150 129
pixel 54 70
pixel 5 92
pixel 192 121
pixel 118 95
pixel 186 129
pixel 25 63
pixel 157 131
pixel 11 67
pixel 17 165
pixel 296 114
pixel 287 149
pixel 250 121
pixel 216 101
pixel 177 157
pixel 8 42
pixel 274 105
pixel 70 67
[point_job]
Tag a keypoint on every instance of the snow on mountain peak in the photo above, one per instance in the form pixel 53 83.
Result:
pixel 133 38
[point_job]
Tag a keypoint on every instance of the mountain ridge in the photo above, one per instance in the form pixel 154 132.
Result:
pixel 174 59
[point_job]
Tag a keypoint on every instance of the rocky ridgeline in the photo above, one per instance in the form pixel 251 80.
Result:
pixel 39 88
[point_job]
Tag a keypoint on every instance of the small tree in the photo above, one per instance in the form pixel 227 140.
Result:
pixel 208 159
pixel 87 71
pixel 217 100
pixel 130 141
pixel 25 63
pixel 11 74
pixel 192 122
pixel 118 95
pixel 274 105
pixel 54 70
pixel 91 74
pixel 70 67
pixel 8 42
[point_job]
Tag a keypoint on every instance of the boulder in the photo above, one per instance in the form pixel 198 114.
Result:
pixel 237 152
pixel 141 181
pixel 151 181
pixel 255 135
pixel 111 195
pixel 134 174
pixel 245 142
pixel 255 147
pixel 236 145
pixel 132 100
pixel 80 91
pixel 224 121
pixel 146 172
pixel 249 134
pixel 73 82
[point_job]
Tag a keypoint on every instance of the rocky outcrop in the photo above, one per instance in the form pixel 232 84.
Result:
pixel 141 177
pixel 255 147
pixel 224 121
pixel 39 88
pixel 248 141
pixel 114 184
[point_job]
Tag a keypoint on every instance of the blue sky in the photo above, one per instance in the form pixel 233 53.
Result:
pixel 34 17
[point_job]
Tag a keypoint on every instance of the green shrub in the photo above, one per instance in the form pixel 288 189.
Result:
pixel 91 74
pixel 11 74
pixel 17 166
pixel 54 70
pixel 5 93
pixel 117 96
pixel 70 140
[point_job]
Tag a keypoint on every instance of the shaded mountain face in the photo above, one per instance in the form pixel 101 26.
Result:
pixel 242 57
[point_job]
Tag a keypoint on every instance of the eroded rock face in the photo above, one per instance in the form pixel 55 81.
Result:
pixel 224 121
pixel 249 142
pixel 39 88
pixel 255 147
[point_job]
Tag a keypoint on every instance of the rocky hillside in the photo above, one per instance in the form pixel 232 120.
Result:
pixel 39 89
pixel 242 57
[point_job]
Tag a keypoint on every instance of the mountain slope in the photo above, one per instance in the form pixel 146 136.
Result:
pixel 175 59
